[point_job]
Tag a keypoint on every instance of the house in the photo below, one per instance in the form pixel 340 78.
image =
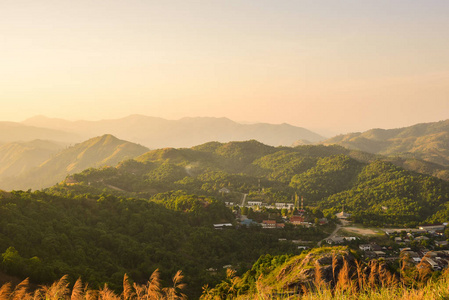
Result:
pixel 255 203
pixel 296 220
pixel 380 253
pixel 323 221
pixel 365 247
pixel 282 205
pixel 336 240
pixel 223 225
pixel 343 215
pixel 410 254
pixel 268 224
pixel 280 225
pixel 432 263
pixel 421 238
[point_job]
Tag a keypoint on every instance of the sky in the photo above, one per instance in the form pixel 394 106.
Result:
pixel 329 66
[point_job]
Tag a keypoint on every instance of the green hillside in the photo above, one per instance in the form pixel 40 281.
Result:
pixel 376 192
pixel 428 141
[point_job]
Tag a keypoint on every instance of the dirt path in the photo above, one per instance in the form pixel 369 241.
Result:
pixel 331 235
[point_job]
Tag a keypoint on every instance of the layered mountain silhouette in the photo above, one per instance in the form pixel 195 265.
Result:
pixel 187 132
pixel 17 132
pixel 17 158
pixel 101 151
pixel 427 141
pixel 422 147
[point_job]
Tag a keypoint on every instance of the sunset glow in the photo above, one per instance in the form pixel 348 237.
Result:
pixel 330 66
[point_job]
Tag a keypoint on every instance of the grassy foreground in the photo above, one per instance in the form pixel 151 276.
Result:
pixel 345 289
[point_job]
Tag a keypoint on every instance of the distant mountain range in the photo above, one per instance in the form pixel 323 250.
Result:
pixel 17 132
pixel 26 169
pixel 187 132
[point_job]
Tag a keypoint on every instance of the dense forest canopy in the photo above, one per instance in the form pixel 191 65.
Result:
pixel 374 191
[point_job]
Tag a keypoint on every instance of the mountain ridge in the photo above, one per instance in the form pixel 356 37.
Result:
pixel 425 141
pixel 96 152
pixel 155 132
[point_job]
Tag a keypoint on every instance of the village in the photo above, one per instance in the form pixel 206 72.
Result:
pixel 425 244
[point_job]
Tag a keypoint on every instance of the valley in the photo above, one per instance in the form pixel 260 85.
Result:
pixel 208 209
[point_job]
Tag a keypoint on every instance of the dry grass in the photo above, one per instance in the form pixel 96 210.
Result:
pixel 357 281
pixel 60 290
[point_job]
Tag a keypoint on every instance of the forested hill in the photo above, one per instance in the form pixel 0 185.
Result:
pixel 427 141
pixel 328 177
pixel 96 152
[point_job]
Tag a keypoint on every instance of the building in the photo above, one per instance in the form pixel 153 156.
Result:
pixel 343 215
pixel 336 240
pixel 432 228
pixel 432 263
pixel 223 225
pixel 282 205
pixel 365 247
pixel 268 224
pixel 296 220
pixel 254 203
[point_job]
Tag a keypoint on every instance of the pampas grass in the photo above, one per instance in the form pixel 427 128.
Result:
pixel 60 290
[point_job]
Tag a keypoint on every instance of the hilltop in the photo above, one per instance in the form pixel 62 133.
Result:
pixel 426 141
pixel 101 151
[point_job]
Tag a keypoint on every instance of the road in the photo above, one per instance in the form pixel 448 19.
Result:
pixel 331 235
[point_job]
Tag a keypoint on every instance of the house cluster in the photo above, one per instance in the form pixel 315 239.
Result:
pixel 336 240
pixel 272 224
pixel 424 235
pixel 279 205
pixel 374 250
pixel 296 220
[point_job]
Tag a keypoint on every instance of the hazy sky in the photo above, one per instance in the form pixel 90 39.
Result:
pixel 325 65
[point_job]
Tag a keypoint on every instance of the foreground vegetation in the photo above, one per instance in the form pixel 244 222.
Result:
pixel 333 273
pixel 326 273
pixel 100 238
